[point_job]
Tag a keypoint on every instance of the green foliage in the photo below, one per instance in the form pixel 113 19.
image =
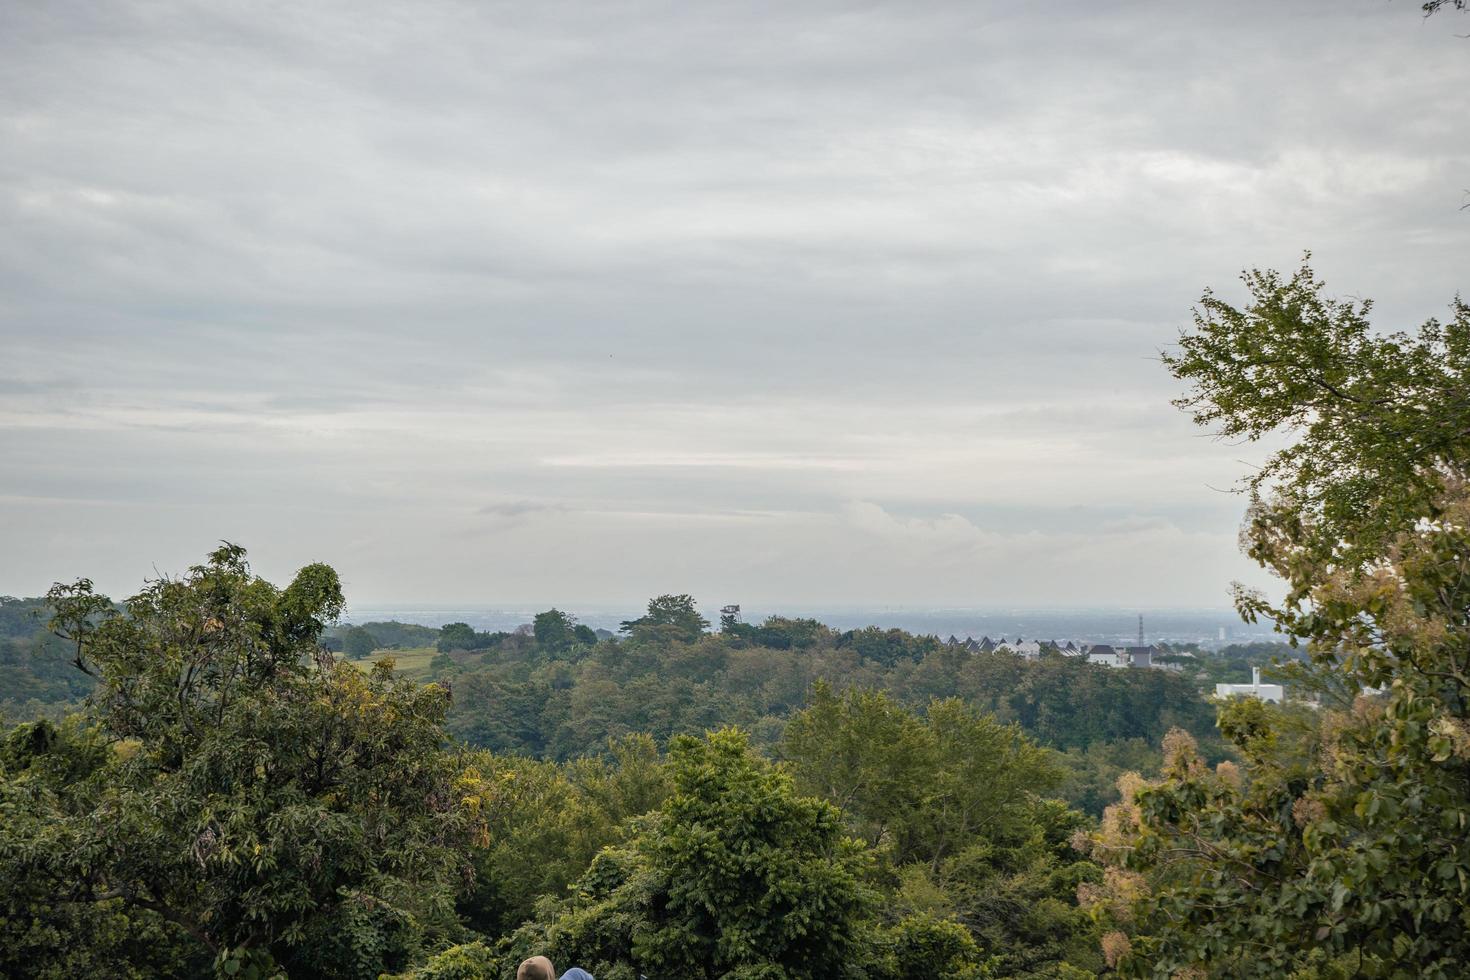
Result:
pixel 1339 847
pixel 457 636
pixel 888 647
pixel 528 701
pixel 782 633
pixel 393 635
pixel 549 823
pixel 233 785
pixel 35 676
pixel 1379 416
pixel 1093 772
pixel 669 617
pixel 358 643
pixel 1233 664
pixel 56 934
pixel 469 961
pixel 921 947
pixel 920 787
pixel 554 629
pixel 246 964
pixel 951 803
pixel 234 800
pixel 734 875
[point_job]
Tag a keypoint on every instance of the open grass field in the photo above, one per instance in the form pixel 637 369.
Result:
pixel 412 662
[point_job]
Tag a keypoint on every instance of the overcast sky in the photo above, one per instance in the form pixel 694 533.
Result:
pixel 764 301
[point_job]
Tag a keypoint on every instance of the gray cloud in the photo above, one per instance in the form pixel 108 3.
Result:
pixel 828 302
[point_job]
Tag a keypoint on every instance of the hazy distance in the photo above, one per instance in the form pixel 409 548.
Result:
pixel 810 306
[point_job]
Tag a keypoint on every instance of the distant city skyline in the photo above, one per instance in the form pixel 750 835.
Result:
pixel 783 304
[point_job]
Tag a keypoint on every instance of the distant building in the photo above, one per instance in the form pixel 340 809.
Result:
pixel 1026 649
pixel 1255 689
pixel 1102 654
pixel 1144 657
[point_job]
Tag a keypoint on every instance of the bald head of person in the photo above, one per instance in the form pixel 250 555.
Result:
pixel 536 968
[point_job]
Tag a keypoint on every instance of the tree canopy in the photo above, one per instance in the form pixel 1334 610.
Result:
pixel 252 800
pixel 1380 419
pixel 670 616
pixel 1337 847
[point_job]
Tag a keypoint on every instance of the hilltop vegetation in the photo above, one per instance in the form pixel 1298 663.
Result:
pixel 204 810
pixel 523 698
pixel 559 693
pixel 233 798
pixel 36 678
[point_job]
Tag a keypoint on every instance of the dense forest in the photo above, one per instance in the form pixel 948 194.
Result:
pixel 210 779
pixel 559 693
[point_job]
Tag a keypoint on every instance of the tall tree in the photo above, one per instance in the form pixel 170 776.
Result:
pixel 358 643
pixel 458 636
pixel 1381 418
pixel 669 617
pixel 1339 847
pixel 242 789
pixel 951 802
pixel 735 875
pixel 554 630
pixel 925 787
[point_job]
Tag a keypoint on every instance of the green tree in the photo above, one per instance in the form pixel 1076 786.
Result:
pixel 671 617
pixel 244 790
pixel 783 633
pixel 952 803
pixel 923 786
pixel 554 630
pixel 1338 848
pixel 1380 417
pixel 33 667
pixel 551 820
pixel 56 933
pixel 457 636
pixel 888 647
pixel 358 643
pixel 925 946
pixel 392 634
pixel 735 875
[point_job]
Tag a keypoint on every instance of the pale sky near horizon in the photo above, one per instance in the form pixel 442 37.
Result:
pixel 767 302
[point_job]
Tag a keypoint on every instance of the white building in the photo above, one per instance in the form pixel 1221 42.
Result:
pixel 1255 689
pixel 1105 655
pixel 1025 649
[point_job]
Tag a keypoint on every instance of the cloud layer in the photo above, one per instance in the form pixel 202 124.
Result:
pixel 574 301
